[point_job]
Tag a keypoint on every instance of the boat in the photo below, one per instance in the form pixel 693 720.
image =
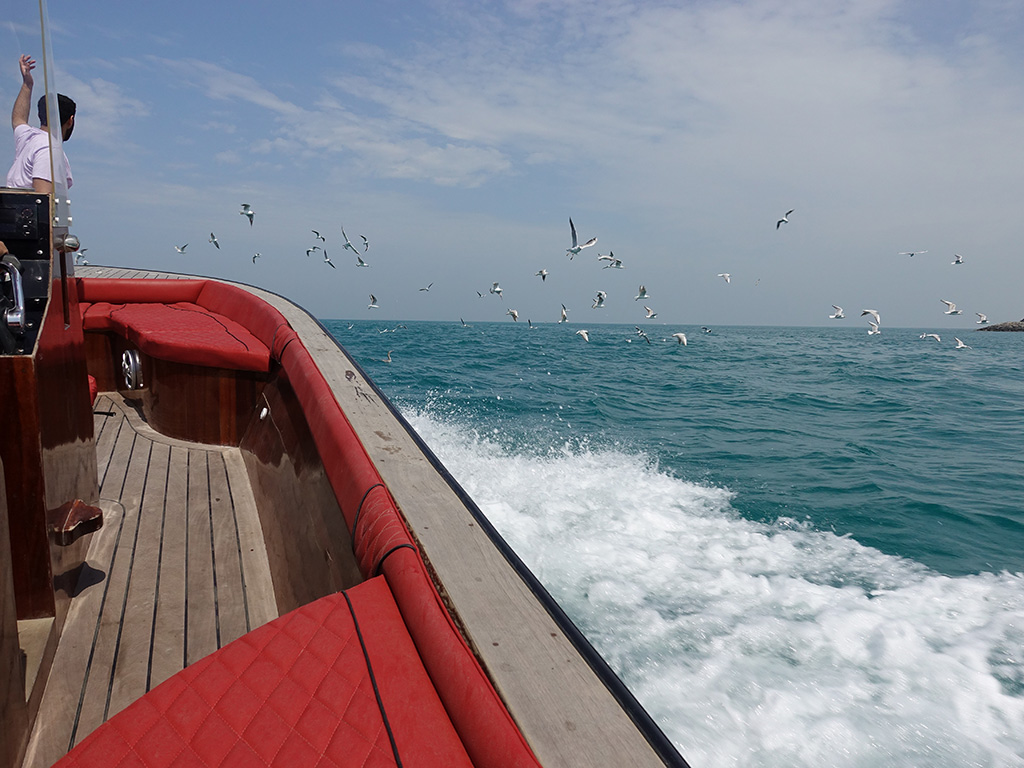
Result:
pixel 221 544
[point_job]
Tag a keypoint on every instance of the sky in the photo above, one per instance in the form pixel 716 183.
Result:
pixel 460 137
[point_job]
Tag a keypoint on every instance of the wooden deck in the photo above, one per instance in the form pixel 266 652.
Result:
pixel 178 570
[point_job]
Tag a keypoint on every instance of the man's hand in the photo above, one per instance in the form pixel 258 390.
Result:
pixel 27 64
pixel 22 103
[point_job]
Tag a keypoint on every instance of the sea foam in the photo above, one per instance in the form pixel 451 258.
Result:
pixel 755 644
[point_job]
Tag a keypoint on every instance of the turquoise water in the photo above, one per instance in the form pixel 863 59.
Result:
pixel 798 546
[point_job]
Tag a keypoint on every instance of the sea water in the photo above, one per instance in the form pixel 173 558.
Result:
pixel 797 546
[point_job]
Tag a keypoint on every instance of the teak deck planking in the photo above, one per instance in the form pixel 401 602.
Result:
pixel 178 570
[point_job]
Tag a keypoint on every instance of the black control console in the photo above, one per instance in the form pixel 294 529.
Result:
pixel 25 271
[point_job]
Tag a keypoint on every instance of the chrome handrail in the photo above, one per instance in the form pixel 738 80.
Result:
pixel 15 316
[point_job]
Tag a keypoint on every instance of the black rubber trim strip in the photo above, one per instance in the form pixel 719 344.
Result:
pixel 373 681
pixel 359 509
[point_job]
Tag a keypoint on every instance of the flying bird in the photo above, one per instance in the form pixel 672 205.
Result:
pixel 680 338
pixel 542 274
pixel 957 259
pixel 576 247
pixel 388 358
pixel 951 308
pixel 911 254
pixel 641 294
pixel 495 288
pixel 564 318
pixel 651 314
pixel 373 302
pixel 725 276
pixel 348 243
pixel 311 250
pixel 327 260
pixel 256 256
pixel 930 336
pixel 982 319
pixel 514 315
pixel 427 288
pixel 584 334
pixel 960 344
pixel 321 238
pixel 247 211
pixel 181 248
pixel 784 219
pixel 366 243
pixel 599 300
pixel 614 264
pixel 464 323
pixel 213 239
pixel 838 313
pixel 874 314
pixel 874 328
pixel 360 262
pixel 640 332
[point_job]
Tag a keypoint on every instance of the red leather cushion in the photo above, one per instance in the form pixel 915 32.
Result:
pixel 187 333
pixel 262 320
pixel 296 692
pixel 94 389
pixel 115 291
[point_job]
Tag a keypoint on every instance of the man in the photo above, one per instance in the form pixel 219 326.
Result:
pixel 31 169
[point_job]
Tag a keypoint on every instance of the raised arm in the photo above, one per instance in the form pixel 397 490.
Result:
pixel 23 102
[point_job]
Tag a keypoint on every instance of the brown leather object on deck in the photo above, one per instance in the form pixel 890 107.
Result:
pixel 73 520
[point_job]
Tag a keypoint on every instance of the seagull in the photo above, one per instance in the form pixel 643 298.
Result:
pixel 783 220
pixel 705 329
pixel 576 248
pixel 615 264
pixel 839 313
pixel 543 275
pixel 911 254
pixel 213 239
pixel 256 256
pixel 874 328
pixel 641 294
pixel 599 300
pixel 422 289
pixel 373 302
pixel 651 314
pixel 388 358
pixel 641 334
pixel 311 250
pixel 366 243
pixel 321 238
pixel 327 260
pixel 930 336
pixel 874 314
pixel 564 317
pixel 952 310
pixel 360 262
pixel 247 211
pixel 957 259
pixel 725 276
pixel 610 256
pixel 495 288
pixel 181 248
pixel 529 322
pixel 514 315
pixel 464 323
pixel 960 344
pixel 584 334
pixel 982 319
pixel 680 338
pixel 348 243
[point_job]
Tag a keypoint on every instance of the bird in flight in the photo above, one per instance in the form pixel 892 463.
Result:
pixel 957 259
pixel 576 247
pixel 348 243
pixel 680 338
pixel 911 254
pixel 513 314
pixel 181 248
pixel 725 276
pixel 599 300
pixel 930 336
pixel 960 344
pixel 256 256
pixel 360 262
pixel 982 319
pixel 310 250
pixel 327 260
pixel 564 318
pixel 542 274
pixel 784 219
pixel 388 358
pixel 427 288
pixel 247 211
pixel 643 335
pixel 319 237
pixel 838 313
pixel 874 328
pixel 366 243
pixel 951 308
pixel 641 294
pixel 651 314
pixel 213 239
pixel 373 302
pixel 874 314
pixel 464 323
pixel 495 288
pixel 584 334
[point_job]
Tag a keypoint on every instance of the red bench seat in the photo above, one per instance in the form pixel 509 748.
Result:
pixel 337 682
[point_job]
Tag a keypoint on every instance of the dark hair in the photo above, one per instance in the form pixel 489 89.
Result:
pixel 65 105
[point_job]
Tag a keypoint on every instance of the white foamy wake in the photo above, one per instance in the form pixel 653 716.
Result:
pixel 756 645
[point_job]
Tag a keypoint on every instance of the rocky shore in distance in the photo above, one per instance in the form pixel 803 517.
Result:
pixel 1013 325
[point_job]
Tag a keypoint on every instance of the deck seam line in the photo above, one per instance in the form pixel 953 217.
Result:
pixel 213 549
pixel 238 544
pixel 159 570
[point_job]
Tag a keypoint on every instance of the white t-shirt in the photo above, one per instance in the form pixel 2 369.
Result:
pixel 32 158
